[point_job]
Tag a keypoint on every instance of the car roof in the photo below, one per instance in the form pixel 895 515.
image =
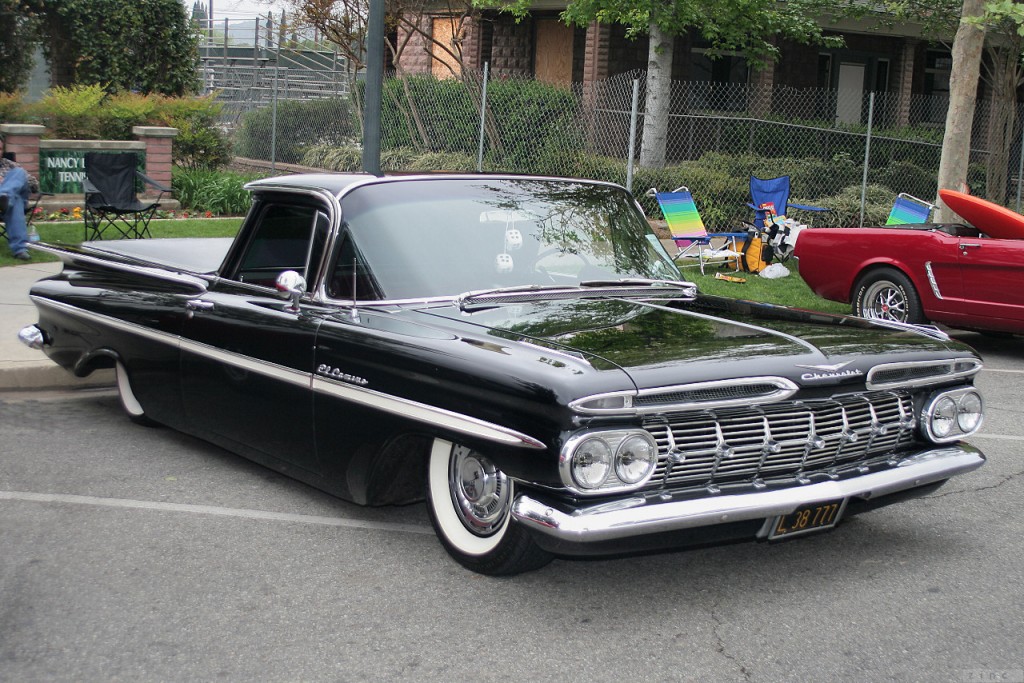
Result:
pixel 338 183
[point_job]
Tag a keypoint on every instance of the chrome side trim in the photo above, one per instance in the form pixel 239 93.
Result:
pixel 953 374
pixel 638 516
pixel 395 405
pixel 121 325
pixel 196 284
pixel 931 280
pixel 421 412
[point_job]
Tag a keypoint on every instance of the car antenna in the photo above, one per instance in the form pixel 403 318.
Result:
pixel 355 309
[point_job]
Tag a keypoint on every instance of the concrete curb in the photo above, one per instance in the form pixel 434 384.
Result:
pixel 22 368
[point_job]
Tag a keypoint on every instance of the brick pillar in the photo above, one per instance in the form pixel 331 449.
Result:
pixel 23 140
pixel 595 58
pixel 905 81
pixel 158 152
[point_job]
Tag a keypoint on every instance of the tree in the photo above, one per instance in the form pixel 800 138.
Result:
pixel 750 27
pixel 344 23
pixel 1001 67
pixel 17 43
pixel 963 88
pixel 125 45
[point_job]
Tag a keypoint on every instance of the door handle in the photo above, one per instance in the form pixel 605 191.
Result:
pixel 199 305
pixel 965 245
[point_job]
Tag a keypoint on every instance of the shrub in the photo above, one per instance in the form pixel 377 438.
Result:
pixel 12 107
pixel 120 113
pixel 300 126
pixel 200 143
pixel 219 192
pixel 845 206
pixel 72 113
pixel 334 158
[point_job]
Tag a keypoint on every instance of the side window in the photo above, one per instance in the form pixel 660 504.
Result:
pixel 350 278
pixel 283 239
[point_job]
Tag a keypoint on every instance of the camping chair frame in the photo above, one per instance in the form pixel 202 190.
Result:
pixel 130 219
pixel 30 206
pixel 691 236
pixel 774 191
pixel 30 212
pixel 908 210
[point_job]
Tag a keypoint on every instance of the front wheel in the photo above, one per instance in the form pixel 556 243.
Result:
pixel 888 294
pixel 469 501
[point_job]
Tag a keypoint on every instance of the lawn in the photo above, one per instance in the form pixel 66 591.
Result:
pixel 788 291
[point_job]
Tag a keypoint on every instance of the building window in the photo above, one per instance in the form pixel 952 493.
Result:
pixel 445 33
pixel 937 68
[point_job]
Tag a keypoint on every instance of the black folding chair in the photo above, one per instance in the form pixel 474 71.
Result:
pixel 110 196
pixel 30 205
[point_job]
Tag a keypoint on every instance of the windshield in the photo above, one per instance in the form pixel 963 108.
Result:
pixel 442 237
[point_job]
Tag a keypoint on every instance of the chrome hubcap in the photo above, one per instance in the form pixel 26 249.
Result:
pixel 886 302
pixel 480 491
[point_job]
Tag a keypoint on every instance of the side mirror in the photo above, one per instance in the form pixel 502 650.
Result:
pixel 292 286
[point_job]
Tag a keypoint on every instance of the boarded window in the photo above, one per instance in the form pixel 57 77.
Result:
pixel 443 64
pixel 553 61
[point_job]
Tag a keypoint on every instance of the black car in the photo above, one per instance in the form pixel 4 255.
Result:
pixel 522 352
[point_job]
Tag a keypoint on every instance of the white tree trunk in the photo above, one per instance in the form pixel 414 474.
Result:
pixel 659 99
pixel 963 88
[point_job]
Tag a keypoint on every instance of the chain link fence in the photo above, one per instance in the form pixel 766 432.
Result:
pixel 851 154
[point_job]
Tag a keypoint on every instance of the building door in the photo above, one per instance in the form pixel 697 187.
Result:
pixel 851 93
pixel 553 58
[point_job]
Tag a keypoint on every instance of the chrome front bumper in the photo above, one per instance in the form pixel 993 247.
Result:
pixel 637 516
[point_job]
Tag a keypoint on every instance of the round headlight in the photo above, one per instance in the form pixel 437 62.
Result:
pixel 635 459
pixel 591 462
pixel 969 411
pixel 944 415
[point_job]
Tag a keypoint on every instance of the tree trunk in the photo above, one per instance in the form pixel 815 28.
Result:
pixel 1001 120
pixel 658 102
pixel 963 88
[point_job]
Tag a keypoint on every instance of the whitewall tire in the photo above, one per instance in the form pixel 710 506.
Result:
pixel 469 502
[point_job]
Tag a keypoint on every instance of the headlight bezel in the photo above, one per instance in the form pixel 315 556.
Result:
pixel 614 440
pixel 964 401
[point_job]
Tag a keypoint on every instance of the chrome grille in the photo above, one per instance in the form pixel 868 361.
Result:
pixel 720 393
pixel 778 440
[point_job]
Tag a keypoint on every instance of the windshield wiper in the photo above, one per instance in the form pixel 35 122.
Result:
pixel 588 289
pixel 640 282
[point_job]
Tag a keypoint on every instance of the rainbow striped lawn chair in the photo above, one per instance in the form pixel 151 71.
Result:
pixel 907 209
pixel 690 235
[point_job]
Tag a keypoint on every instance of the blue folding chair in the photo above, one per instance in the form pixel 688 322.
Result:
pixel 770 200
pixel 689 234
pixel 908 209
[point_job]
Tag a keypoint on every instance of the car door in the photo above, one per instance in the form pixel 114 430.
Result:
pixel 247 356
pixel 993 272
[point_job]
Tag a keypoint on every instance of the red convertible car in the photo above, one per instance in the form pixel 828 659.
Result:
pixel 940 273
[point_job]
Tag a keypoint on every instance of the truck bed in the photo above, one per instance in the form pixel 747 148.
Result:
pixel 199 255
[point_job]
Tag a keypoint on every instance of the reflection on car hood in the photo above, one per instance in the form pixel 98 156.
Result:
pixel 710 338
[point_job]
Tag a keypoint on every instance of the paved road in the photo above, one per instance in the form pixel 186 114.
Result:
pixel 141 554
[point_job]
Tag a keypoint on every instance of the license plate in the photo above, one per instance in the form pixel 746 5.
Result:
pixel 807 518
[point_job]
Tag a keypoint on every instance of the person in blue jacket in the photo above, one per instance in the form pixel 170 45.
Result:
pixel 15 187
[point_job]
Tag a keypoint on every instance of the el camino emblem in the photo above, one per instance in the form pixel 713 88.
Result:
pixel 828 372
pixel 338 373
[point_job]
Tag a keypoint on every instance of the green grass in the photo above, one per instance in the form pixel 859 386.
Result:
pixel 71 232
pixel 787 291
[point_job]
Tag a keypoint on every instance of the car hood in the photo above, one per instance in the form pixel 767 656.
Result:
pixel 711 338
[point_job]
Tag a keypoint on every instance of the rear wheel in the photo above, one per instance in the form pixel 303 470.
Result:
pixel 470 501
pixel 129 403
pixel 888 294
